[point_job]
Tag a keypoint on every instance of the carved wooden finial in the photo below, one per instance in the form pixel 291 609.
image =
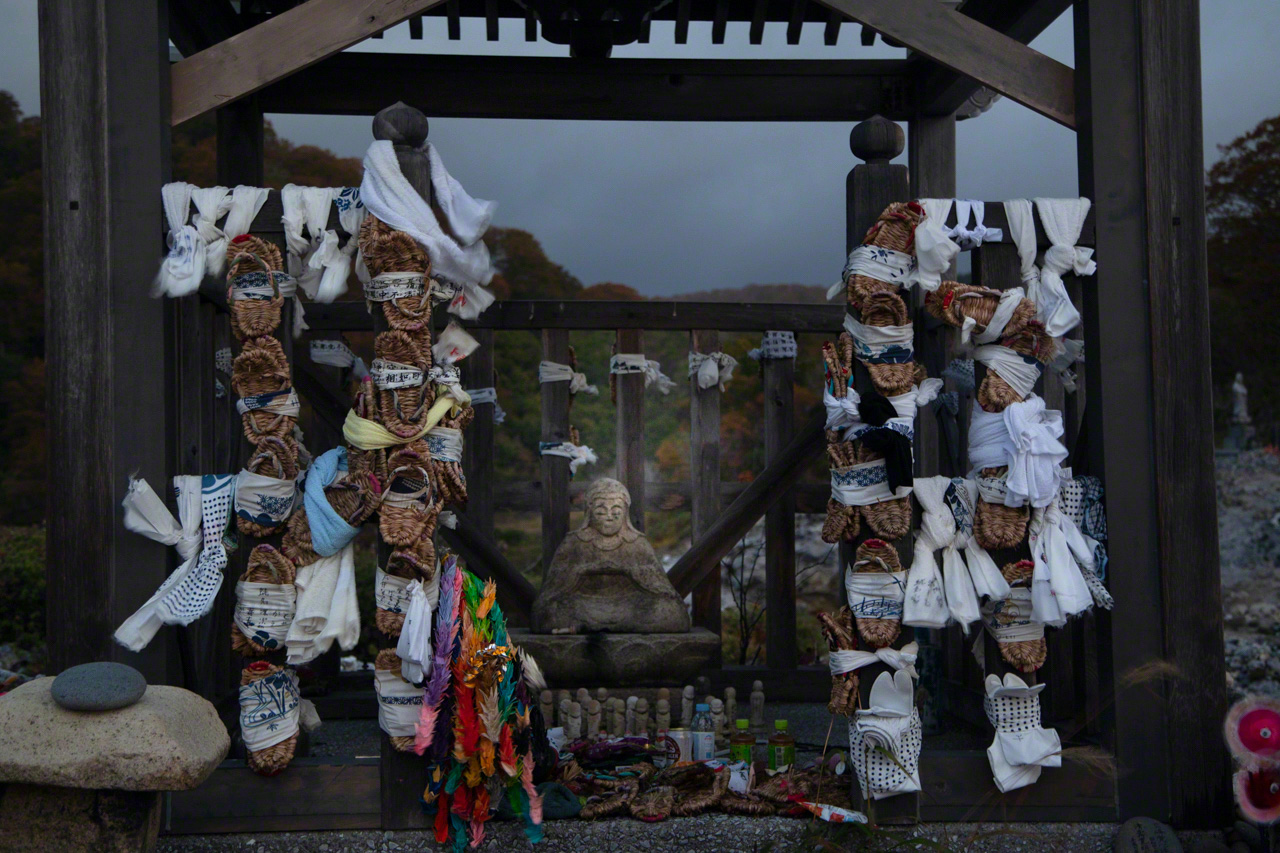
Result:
pixel 401 124
pixel 877 140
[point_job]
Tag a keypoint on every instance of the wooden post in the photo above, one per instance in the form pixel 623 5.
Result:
pixel 704 472
pixel 631 456
pixel 105 107
pixel 1150 437
pixel 780 521
pixel 477 459
pixel 555 469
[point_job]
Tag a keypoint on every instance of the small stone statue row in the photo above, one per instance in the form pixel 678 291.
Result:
pixel 613 716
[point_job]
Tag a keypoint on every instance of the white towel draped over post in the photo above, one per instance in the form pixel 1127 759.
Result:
pixel 712 368
pixel 934 249
pixel 212 203
pixel 1063 220
pixel 625 363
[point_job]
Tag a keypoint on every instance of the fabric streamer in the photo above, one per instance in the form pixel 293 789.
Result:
pixel 246 203
pixel 183 267
pixel 388 375
pixel 370 435
pixel 1022 230
pixel 264 611
pixel 987 580
pixel 1063 220
pixel 712 368
pixel 482 396
pixel 327 608
pixel 934 249
pixel 1022 746
pixel 390 286
pixel 877 262
pixel 399 703
pixel 464 261
pixel 351 213
pixel 269 710
pixel 453 345
pixel 625 363
pixel 550 371
pixel 864 484
pixel 972 238
pixel 212 203
pixel 876 595
pixel 927 603
pixel 1020 371
pixel 887 434
pixel 1070 351
pixel 1061 556
pixel 577 454
pixel 885 739
pixel 336 353
pixel 775 344
pixel 445 444
pixel 204 508
pixel 881 344
pixel 1025 437
pixel 848 660
pixel 330 532
pixel 414 646
pixel 305 208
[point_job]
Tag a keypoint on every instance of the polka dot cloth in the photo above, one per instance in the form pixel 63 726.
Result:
pixel 880 775
pixel 185 598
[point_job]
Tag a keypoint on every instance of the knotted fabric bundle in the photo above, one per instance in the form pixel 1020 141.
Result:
pixel 308 208
pixel 464 261
pixel 881 344
pixel 775 344
pixel 1018 370
pixel 481 396
pixel 1061 556
pixel 204 508
pixel 327 608
pixel 625 363
pixel 1063 220
pixel 1021 745
pixel 712 368
pixel 885 739
pixel 330 532
pixel 877 262
pixel 269 710
pixel 264 612
pixel 551 371
pixel 972 238
pixel 849 660
pixel 183 267
pixel 988 582
pixel 212 203
pixel 414 647
pixel 843 412
pixel 934 249
pixel 928 600
pixel 577 454
pixel 1022 230
pixel 1025 437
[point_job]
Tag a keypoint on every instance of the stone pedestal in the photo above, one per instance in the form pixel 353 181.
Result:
pixel 621 660
pixel 40 818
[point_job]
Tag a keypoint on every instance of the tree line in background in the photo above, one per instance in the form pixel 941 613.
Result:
pixel 1243 197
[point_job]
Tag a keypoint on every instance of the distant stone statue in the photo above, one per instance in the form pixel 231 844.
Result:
pixel 605 576
pixel 1240 401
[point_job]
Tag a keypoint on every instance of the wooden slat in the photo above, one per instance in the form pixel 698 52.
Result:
pixel 957 786
pixel 415 28
pixel 704 469
pixel 453 10
pixel 276 48
pixel 719 23
pixel 682 22
pixel 831 32
pixel 491 19
pixel 630 430
pixel 780 521
pixel 478 452
pixel 796 22
pixel 614 89
pixel 328 403
pixel 759 9
pixel 971 48
pixel 660 496
pixel 555 469
pixel 765 490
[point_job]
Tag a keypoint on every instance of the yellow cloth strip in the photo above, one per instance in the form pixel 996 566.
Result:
pixel 371 435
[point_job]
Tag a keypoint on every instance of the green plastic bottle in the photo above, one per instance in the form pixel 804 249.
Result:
pixel 782 747
pixel 741 742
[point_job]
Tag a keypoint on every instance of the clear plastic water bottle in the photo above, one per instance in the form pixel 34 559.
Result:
pixel 704 733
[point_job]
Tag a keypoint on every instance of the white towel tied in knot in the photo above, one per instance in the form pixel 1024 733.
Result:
pixel 246 203
pixel 864 484
pixel 984 574
pixel 204 507
pixel 1022 745
pixel 390 593
pixel 269 710
pixel 550 371
pixel 1022 230
pixel 212 203
pixel 881 344
pixel 875 594
pixel 712 368
pixel 934 249
pixel 842 412
pixel 450 377
pixel 305 208
pixel 390 286
pixel 887 265
pixel 1020 371
pixel 336 353
pixel 1009 300
pixel 577 454
pixel 849 660
pixel 327 608
pixel 928 599
pixel 1062 556
pixel 481 396
pixel 972 238
pixel 454 344
pixel 399 703
pixel 1025 437
pixel 414 646
pixel 264 611
pixel 885 739
pixel 625 363
pixel 445 444
pixel 775 344
pixel 183 266
pixel 1063 220
pixel 463 261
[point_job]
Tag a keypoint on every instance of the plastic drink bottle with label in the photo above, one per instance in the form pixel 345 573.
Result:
pixel 704 733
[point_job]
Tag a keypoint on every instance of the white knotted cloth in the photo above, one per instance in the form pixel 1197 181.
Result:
pixel 577 454
pixel 885 739
pixel 481 396
pixel 327 608
pixel 887 265
pixel 212 203
pixel 183 266
pixel 1025 437
pixel 625 363
pixel 305 208
pixel 1061 555
pixel 269 710
pixel 842 661
pixel 842 412
pixel 774 344
pixel 399 703
pixel 987 580
pixel 463 262
pixel 1022 231
pixel 246 203
pixel 1019 371
pixel 336 353
pixel 1063 220
pixel 414 646
pixel 972 238
pixel 204 507
pixel 927 603
pixel 551 371
pixel 712 368
pixel 864 484
pixel 1022 745
pixel 934 249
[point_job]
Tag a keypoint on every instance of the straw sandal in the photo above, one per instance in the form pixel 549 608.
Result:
pixel 273 759
pixel 266 565
pixel 876 555
pixel 1023 655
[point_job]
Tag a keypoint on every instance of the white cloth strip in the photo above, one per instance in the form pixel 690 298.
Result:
pixel 1063 220
pixel 988 582
pixel 1025 437
pixel 875 595
pixel 1009 300
pixel 864 484
pixel 551 371
pixel 849 660
pixel 466 301
pixel 775 344
pixel 973 238
pixel 481 396
pixel 625 363
pixel 390 593
pixel 264 611
pixel 577 454
pixel 406 490
pixel 388 375
pixel 887 265
pixel 1014 368
pixel 389 286
pixel 712 368
pixel 1022 746
pixel 445 444
pixel 1022 230
pixel 304 208
pixel 265 500
pixel 280 403
pixel 326 609
pixel 414 646
pixel 204 507
pixel 183 266
pixel 222 360
pixel 399 703
pixel 453 345
pixel 269 709
pixel 927 603
pixel 1062 556
pixel 1010 619
pixel 351 213
pixel 332 352
pixel 246 203
pixel 212 203
pixel 873 339
pixel 259 285
pixel 934 249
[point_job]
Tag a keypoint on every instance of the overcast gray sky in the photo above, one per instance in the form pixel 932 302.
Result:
pixel 669 207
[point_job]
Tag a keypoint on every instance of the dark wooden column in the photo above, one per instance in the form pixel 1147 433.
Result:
pixel 477 459
pixel 780 521
pixel 704 473
pixel 555 469
pixel 104 96
pixel 630 435
pixel 1150 433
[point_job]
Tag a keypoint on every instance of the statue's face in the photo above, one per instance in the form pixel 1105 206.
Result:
pixel 609 514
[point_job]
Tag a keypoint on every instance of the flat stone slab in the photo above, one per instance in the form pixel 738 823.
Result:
pixel 169 740
pixel 630 660
pixel 102 686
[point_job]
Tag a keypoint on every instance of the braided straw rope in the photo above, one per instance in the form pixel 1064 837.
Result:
pixel 889 519
pixel 266 565
pixel 704 799
pixel 273 759
pixel 878 633
pixel 1023 655
pixel 388 661
pixel 895 229
pixel 654 804
pixel 838 630
pixel 386 250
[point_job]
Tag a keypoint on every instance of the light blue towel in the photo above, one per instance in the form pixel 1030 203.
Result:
pixel 330 532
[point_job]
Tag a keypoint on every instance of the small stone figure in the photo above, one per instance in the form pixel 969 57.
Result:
pixel 602 696
pixel 686 706
pixel 547 706
pixel 617 719
pixel 573 731
pixel 757 707
pixel 582 697
pixel 703 684
pixel 717 720
pixel 663 711
pixel 642 717
pixel 593 719
pixel 631 715
pixel 1240 401
pixel 565 703
pixel 730 705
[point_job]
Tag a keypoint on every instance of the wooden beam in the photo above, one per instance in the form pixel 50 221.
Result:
pixel 973 49
pixel 630 425
pixel 279 46
pixel 831 32
pixel 796 22
pixel 765 491
pixel 478 454
pixel 778 386
pixel 682 21
pixel 720 21
pixel 607 89
pixel 704 469
pixel 759 9
pixel 555 427
pixel 483 558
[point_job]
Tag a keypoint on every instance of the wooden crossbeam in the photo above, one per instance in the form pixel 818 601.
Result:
pixel 973 49
pixel 483 558
pixel 278 47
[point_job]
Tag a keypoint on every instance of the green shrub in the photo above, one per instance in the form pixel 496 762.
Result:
pixel 22 586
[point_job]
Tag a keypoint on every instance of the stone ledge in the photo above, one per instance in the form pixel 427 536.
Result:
pixel 630 660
